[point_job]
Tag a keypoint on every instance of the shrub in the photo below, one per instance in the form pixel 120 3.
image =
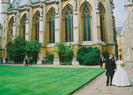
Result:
pixel 49 59
pixel 16 49
pixel 32 48
pixel 34 62
pixel 65 53
pixel 66 63
pixel 80 53
pixel 88 56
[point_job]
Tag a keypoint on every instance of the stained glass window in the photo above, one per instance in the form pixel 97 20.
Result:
pixel 102 24
pixel 86 24
pixel 23 28
pixel 52 28
pixel 69 25
pixel 101 27
pixel 10 30
pixel 37 28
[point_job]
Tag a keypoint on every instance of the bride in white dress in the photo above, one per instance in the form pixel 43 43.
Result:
pixel 120 77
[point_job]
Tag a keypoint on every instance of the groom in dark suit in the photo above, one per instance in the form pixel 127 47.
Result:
pixel 110 68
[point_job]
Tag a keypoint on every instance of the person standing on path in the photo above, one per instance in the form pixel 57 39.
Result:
pixel 120 77
pixel 30 60
pixel 26 61
pixel 0 60
pixel 102 61
pixel 110 68
pixel 4 61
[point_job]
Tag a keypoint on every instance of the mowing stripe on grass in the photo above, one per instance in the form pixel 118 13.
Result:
pixel 19 80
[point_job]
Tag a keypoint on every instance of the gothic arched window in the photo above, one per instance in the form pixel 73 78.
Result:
pixel 22 26
pixel 11 33
pixel 86 24
pixel 69 25
pixel 52 28
pixel 102 21
pixel 23 29
pixel 37 27
pixel 10 30
pixel 101 26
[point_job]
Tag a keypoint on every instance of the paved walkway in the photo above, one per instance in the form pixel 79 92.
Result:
pixel 98 86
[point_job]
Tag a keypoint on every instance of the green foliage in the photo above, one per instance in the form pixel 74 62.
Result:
pixel 65 53
pixel 81 53
pixel 49 59
pixel 34 62
pixel 106 55
pixel 32 48
pixel 66 63
pixel 16 49
pixel 88 56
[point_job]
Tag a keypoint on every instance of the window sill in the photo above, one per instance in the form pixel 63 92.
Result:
pixel 51 45
pixel 87 43
pixel 69 43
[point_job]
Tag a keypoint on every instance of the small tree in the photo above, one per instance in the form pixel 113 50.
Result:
pixel 16 49
pixel 80 54
pixel 32 48
pixel 93 56
pixel 49 58
pixel 65 53
pixel 88 56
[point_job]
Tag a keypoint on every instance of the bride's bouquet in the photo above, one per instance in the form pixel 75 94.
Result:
pixel 123 64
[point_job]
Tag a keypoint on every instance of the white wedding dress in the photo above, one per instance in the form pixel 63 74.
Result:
pixel 120 77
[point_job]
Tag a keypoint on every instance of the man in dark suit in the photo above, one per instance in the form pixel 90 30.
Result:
pixel 102 61
pixel 27 61
pixel 1 60
pixel 30 60
pixel 110 68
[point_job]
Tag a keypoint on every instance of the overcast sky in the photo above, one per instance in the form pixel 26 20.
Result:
pixel 119 12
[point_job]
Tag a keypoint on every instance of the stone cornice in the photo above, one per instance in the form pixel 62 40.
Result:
pixel 33 5
pixel 4 13
pixel 110 44
pixel 36 4
pixel 81 44
pixel 51 1
pixel 12 11
pixel 128 5
pixel 5 2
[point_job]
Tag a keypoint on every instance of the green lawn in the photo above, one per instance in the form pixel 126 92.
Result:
pixel 17 80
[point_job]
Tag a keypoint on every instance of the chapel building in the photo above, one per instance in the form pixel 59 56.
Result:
pixel 78 22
